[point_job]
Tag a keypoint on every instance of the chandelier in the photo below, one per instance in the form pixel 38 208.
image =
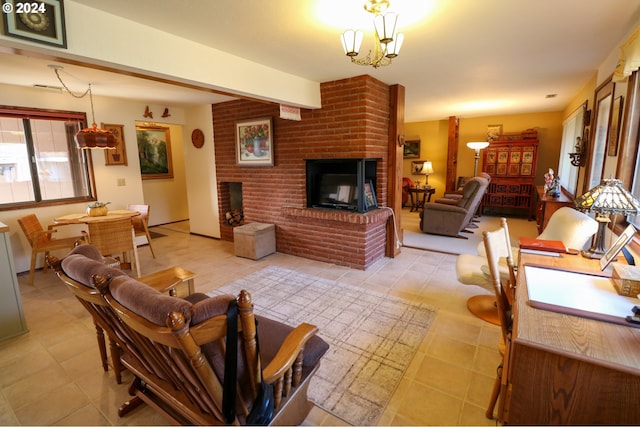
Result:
pixel 387 43
pixel 93 137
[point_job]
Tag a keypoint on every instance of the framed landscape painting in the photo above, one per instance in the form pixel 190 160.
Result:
pixel 154 150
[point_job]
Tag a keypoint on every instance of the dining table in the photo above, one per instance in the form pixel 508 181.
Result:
pixel 84 218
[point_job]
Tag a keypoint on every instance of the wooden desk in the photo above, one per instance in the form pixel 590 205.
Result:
pixel 426 197
pixel 564 369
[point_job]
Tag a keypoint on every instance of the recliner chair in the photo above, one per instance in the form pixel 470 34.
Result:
pixel 451 219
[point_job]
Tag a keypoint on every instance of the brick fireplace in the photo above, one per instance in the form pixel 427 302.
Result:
pixel 352 124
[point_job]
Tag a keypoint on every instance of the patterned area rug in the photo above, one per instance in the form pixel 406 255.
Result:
pixel 373 337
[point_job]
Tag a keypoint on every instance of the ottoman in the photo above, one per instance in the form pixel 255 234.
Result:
pixel 254 240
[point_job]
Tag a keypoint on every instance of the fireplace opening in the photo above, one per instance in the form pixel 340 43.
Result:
pixel 347 184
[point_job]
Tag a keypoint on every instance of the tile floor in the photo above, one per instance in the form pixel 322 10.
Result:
pixel 52 374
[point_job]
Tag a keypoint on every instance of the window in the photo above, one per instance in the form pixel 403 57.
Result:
pixel 39 161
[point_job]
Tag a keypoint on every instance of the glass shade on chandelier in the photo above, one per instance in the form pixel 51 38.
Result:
pixel 607 198
pixel 387 42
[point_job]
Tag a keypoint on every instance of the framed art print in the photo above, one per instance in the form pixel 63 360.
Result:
pixel 370 201
pixel 514 169
pixel 115 156
pixel 254 142
pixel 411 149
pixel 37 21
pixel 491 156
pixel 515 157
pixel 503 156
pixel 154 150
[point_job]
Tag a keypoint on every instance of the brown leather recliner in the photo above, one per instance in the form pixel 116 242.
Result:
pixel 451 219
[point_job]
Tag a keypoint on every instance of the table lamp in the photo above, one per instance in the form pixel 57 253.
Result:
pixel 477 146
pixel 605 199
pixel 426 170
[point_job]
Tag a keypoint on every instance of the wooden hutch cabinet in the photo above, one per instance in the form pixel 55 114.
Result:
pixel 511 162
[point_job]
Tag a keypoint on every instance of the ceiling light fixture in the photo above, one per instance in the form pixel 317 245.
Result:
pixel 93 137
pixel 387 43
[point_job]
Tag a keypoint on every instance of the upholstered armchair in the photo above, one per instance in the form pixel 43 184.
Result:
pixel 451 219
pixel 406 184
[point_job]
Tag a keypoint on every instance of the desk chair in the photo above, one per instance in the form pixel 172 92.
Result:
pixel 42 240
pixel 115 237
pixel 141 223
pixel 495 243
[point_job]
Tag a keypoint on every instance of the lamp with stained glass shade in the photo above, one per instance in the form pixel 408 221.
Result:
pixel 607 198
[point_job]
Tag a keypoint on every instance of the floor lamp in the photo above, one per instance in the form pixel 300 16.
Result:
pixel 482 306
pixel 477 146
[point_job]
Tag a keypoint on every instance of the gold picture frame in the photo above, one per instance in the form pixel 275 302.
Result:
pixel 154 151
pixel 115 156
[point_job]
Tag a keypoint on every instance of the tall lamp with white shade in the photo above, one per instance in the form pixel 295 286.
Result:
pixel 477 146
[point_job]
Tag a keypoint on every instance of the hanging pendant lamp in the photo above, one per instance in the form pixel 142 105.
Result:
pixel 90 137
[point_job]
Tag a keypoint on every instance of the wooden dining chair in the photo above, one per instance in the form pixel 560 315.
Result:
pixel 42 240
pixel 141 223
pixel 115 238
pixel 494 241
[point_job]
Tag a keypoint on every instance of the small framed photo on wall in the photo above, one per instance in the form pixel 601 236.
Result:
pixel 411 149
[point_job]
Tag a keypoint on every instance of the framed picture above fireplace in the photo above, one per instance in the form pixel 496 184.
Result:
pixel 254 142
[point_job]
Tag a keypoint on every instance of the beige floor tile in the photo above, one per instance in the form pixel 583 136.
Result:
pixel 36 386
pixel 427 406
pixel 7 416
pixel 52 407
pixel 88 415
pixel 448 377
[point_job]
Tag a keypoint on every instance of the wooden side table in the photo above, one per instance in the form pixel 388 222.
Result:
pixel 426 197
pixel 168 279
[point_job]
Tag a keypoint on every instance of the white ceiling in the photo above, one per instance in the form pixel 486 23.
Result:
pixel 460 57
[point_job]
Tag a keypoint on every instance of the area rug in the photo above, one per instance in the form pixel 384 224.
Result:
pixel 373 337
pixel 415 238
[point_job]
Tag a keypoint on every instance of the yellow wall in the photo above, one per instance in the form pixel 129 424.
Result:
pixel 433 142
